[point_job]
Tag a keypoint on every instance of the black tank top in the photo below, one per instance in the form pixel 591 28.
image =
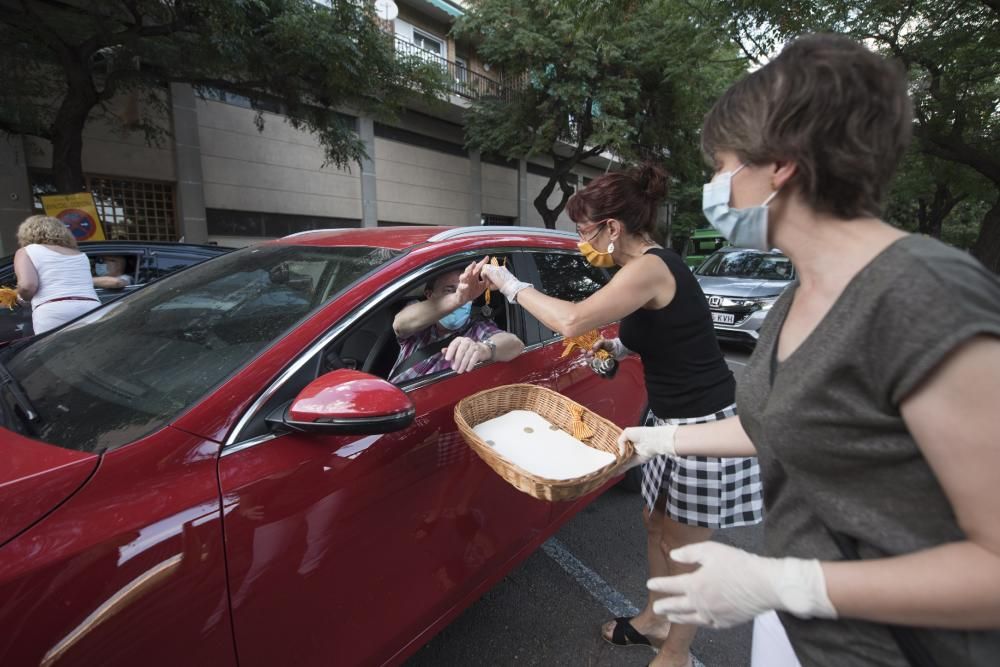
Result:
pixel 686 374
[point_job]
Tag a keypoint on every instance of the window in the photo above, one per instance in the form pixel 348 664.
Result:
pixel 130 209
pixel 748 264
pixel 127 369
pixel 493 219
pixel 569 277
pixel 565 276
pixel 428 43
pixel 461 70
pixel 165 263
pixel 133 265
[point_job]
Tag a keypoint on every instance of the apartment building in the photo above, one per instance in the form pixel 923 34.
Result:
pixel 216 178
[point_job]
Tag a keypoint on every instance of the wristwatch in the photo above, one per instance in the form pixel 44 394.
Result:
pixel 493 349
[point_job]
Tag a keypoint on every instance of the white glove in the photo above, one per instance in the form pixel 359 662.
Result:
pixel 733 586
pixel 504 281
pixel 613 346
pixel 648 442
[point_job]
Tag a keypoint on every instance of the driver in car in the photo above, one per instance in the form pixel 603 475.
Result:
pixel 111 273
pixel 441 331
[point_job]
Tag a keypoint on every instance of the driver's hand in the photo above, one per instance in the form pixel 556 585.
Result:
pixel 471 283
pixel 464 353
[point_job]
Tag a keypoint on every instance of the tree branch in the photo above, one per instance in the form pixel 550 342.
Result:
pixel 992 4
pixel 954 149
pixel 32 130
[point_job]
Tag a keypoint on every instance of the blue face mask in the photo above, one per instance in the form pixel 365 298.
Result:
pixel 457 318
pixel 744 227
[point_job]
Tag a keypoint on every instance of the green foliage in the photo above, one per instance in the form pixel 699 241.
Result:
pixel 307 58
pixel 633 78
pixel 949 48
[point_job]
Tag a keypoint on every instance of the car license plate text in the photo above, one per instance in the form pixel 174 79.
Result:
pixel 723 318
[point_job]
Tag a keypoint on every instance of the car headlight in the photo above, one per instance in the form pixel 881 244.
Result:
pixel 765 304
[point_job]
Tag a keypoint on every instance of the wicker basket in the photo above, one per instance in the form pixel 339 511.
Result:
pixel 557 409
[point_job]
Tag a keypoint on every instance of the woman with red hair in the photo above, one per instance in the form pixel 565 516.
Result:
pixel 666 321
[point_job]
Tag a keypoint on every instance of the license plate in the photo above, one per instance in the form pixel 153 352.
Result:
pixel 723 318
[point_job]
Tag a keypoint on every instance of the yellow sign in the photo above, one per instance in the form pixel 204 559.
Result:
pixel 78 213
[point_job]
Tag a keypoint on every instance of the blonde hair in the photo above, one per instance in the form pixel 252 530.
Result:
pixel 45 229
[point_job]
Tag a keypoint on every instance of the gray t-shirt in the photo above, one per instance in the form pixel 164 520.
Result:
pixel 834 450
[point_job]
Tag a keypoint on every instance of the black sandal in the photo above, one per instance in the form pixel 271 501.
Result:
pixel 625 635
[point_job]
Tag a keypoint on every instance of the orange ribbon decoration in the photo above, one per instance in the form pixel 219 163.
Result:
pixel 494 262
pixel 8 297
pixel 584 342
pixel 580 430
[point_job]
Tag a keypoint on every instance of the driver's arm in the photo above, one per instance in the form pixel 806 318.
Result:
pixel 110 282
pixel 421 314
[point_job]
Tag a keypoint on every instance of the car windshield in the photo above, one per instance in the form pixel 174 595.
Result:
pixel 133 366
pixel 748 264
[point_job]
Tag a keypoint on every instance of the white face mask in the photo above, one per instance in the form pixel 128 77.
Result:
pixel 744 227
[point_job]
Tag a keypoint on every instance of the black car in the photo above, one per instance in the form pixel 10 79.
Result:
pixel 145 261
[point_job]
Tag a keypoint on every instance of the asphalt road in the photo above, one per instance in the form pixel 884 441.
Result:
pixel 550 609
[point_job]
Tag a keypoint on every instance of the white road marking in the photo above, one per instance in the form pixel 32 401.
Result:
pixel 613 600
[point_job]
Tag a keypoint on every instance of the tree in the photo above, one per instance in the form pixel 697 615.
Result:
pixel 67 58
pixel 949 48
pixel 626 76
pixel 929 191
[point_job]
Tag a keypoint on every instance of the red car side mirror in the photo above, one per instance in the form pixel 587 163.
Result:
pixel 349 402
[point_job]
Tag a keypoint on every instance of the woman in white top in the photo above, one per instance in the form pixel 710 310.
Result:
pixel 52 273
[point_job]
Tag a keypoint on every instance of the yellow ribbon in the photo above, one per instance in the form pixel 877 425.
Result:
pixel 494 262
pixel 584 342
pixel 580 430
pixel 8 297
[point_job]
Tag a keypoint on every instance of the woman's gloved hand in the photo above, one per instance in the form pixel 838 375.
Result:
pixel 504 281
pixel 733 586
pixel 613 347
pixel 648 442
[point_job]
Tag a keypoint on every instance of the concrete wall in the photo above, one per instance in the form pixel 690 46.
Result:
pixel 420 185
pixel 109 150
pixel 278 170
pixel 499 190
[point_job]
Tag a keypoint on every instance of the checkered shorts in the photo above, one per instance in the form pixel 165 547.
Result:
pixel 709 492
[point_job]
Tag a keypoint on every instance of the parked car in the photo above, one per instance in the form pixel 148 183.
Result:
pixel 701 244
pixel 741 286
pixel 216 466
pixel 144 261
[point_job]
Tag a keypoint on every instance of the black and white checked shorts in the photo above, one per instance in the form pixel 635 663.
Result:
pixel 700 491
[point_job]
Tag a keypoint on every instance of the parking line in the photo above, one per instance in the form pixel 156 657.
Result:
pixel 600 590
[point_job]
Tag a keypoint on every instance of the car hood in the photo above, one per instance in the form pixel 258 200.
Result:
pixel 742 287
pixel 35 478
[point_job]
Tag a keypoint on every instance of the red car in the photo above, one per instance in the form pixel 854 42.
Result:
pixel 213 471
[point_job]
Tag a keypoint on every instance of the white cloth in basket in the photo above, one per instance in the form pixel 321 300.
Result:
pixel 532 443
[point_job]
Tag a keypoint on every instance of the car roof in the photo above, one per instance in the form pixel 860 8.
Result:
pixel 86 245
pixel 406 237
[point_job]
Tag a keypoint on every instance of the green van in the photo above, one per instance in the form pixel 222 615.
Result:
pixel 701 244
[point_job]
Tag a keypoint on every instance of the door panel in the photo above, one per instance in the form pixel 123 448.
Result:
pixel 129 571
pixel 347 548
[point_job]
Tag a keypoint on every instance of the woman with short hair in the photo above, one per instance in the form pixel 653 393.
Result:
pixel 52 273
pixel 871 398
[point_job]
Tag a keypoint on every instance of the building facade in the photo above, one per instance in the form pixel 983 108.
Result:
pixel 218 178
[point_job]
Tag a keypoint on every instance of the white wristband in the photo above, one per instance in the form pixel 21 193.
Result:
pixel 511 289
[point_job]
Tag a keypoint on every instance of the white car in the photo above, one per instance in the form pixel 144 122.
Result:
pixel 741 285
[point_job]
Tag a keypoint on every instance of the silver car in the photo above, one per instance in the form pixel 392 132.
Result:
pixel 741 286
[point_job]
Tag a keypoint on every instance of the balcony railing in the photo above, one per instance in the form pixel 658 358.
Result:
pixel 461 80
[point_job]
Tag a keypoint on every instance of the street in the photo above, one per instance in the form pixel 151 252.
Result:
pixel 550 609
